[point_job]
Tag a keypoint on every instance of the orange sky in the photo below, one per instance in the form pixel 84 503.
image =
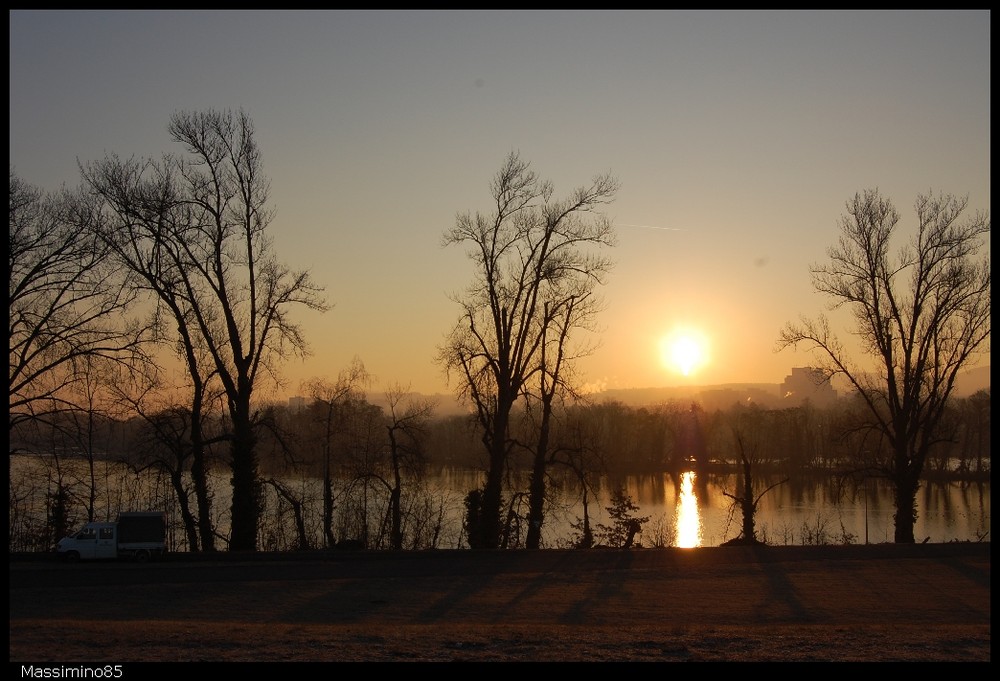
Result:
pixel 737 138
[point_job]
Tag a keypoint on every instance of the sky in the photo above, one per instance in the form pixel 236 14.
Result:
pixel 737 138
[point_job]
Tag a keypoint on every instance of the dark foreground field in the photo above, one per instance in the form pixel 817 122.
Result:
pixel 831 603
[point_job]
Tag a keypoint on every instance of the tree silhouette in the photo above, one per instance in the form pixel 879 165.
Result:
pixel 532 253
pixel 67 301
pixel 625 523
pixel 195 227
pixel 329 400
pixel 921 317
pixel 749 431
pixel 406 429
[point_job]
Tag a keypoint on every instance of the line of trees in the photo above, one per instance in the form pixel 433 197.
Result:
pixel 343 469
pixel 157 263
pixel 180 244
pixel 365 475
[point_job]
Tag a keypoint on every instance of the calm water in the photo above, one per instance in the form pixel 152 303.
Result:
pixel 686 510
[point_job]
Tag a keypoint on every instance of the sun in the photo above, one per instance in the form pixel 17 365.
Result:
pixel 684 351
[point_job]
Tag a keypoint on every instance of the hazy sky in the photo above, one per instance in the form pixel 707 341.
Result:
pixel 737 137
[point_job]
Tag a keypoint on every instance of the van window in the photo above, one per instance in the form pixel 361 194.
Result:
pixel 107 533
pixel 87 533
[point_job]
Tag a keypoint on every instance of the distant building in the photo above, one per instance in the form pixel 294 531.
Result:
pixel 807 383
pixel 296 403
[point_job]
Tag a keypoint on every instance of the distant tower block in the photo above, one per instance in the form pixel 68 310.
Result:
pixel 807 383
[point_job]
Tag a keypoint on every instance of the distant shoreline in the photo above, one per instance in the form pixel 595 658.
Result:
pixel 711 396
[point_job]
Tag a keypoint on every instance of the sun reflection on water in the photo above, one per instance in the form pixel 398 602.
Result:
pixel 688 521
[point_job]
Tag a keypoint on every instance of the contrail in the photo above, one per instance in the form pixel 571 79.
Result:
pixel 665 229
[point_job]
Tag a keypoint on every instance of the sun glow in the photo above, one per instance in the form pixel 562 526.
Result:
pixel 684 351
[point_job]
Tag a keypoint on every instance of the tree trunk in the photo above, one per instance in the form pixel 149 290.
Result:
pixel 489 512
pixel 747 503
pixel 328 535
pixel 587 540
pixel 906 510
pixel 395 495
pixel 396 520
pixel 190 526
pixel 536 504
pixel 246 492
pixel 536 497
pixel 199 473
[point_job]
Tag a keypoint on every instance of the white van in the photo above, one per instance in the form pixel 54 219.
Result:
pixel 138 536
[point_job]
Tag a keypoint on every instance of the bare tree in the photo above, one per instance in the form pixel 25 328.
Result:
pixel 975 411
pixel 165 446
pixel 580 457
pixel 200 224
pixel 86 424
pixel 297 505
pixel 528 246
pixel 173 436
pixel 66 300
pixel 566 311
pixel 329 400
pixel 361 449
pixel 921 317
pixel 137 228
pixel 406 427
pixel 749 430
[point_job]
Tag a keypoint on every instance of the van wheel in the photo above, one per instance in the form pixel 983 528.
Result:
pixel 142 556
pixel 72 557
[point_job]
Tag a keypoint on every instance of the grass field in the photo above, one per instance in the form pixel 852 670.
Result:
pixel 882 603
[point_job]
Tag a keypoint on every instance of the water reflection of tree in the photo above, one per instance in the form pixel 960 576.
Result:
pixel 750 434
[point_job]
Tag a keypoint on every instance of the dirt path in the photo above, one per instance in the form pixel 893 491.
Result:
pixel 874 603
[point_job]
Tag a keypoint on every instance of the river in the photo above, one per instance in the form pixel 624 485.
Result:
pixel 683 510
pixel 689 509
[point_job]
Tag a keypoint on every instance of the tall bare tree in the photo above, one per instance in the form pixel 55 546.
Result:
pixel 922 316
pixel 199 223
pixel 525 249
pixel 67 301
